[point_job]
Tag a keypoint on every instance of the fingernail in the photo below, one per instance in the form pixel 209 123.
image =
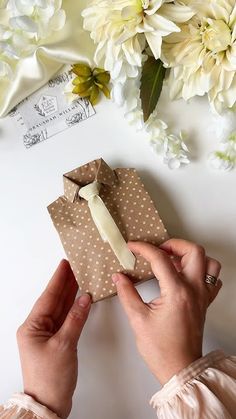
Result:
pixel 115 278
pixel 84 300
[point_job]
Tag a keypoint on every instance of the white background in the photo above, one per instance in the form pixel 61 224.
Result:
pixel 194 202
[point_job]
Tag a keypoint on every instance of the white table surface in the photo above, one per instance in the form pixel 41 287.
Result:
pixel 194 203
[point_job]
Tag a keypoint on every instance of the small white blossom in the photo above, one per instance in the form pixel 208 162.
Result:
pixel 223 125
pixel 176 151
pixel 225 158
pixel 170 147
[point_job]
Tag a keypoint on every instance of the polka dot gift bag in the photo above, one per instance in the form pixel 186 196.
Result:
pixel 100 211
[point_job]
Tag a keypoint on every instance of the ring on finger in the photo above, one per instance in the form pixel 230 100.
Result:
pixel 211 279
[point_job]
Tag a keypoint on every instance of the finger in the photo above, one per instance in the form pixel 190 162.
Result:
pixel 161 265
pixel 128 295
pixel 51 300
pixel 213 267
pixel 72 327
pixel 192 256
pixel 68 301
pixel 176 261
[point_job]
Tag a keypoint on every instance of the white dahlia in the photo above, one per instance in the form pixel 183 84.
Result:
pixel 202 56
pixel 120 28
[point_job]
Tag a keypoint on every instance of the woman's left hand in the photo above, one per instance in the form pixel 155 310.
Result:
pixel 48 340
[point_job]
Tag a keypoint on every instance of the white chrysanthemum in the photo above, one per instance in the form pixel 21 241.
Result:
pixel 203 54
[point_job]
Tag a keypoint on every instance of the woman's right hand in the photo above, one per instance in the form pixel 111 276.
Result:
pixel 169 329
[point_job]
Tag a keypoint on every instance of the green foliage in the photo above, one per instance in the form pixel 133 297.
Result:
pixel 153 74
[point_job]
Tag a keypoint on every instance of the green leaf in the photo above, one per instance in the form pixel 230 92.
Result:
pixel 153 74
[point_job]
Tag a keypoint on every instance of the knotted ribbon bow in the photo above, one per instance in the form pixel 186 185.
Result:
pixel 106 225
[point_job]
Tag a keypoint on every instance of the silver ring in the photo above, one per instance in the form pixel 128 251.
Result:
pixel 210 279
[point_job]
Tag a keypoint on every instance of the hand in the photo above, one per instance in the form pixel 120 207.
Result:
pixel 48 340
pixel 169 329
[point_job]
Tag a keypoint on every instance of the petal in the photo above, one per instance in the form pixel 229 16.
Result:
pixel 45 14
pixel 162 25
pixel 154 41
pixel 9 51
pixel 173 163
pixel 133 52
pixel 24 23
pixel 176 12
pixel 24 8
pixel 154 5
pixel 58 20
pixel 5 70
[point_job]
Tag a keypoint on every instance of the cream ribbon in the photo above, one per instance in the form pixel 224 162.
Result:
pixel 106 226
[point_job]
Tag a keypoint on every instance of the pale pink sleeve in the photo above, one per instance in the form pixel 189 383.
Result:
pixel 205 389
pixel 22 406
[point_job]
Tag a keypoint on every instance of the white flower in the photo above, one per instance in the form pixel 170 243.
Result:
pixel 222 125
pixel 170 147
pixel 219 161
pixel 15 44
pixel 121 28
pixel 29 23
pixel 122 61
pixel 224 158
pixel 39 18
pixel 123 20
pixel 177 151
pixel 5 70
pixel 203 55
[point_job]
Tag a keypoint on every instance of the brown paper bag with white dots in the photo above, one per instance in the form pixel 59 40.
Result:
pixel 93 261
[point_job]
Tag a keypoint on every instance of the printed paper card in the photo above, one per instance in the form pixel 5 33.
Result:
pixel 47 111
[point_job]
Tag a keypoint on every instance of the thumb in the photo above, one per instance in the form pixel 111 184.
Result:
pixel 75 320
pixel 128 295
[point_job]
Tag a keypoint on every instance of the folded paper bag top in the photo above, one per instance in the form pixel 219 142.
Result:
pixel 94 234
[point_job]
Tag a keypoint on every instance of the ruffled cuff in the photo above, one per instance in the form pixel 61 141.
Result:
pixel 206 387
pixel 22 406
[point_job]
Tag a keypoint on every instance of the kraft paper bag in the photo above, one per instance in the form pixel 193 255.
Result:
pixel 95 223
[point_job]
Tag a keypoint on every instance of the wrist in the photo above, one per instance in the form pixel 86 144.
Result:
pixel 174 367
pixel 53 404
